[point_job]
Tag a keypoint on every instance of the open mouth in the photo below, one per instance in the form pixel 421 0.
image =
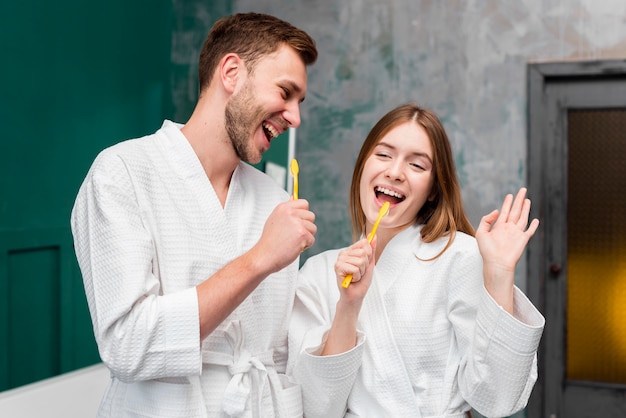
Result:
pixel 387 195
pixel 269 131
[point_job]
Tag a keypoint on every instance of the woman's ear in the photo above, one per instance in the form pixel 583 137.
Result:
pixel 230 71
pixel 432 195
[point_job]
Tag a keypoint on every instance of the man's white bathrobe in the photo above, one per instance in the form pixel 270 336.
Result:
pixel 432 342
pixel 148 227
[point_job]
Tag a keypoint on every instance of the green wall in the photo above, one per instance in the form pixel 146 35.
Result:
pixel 75 77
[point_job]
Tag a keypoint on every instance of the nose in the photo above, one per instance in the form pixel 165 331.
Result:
pixel 292 114
pixel 395 170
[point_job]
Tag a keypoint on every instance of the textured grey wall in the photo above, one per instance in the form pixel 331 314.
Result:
pixel 465 59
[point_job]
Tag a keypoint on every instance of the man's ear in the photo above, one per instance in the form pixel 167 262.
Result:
pixel 231 69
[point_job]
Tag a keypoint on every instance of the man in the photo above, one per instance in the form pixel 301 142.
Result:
pixel 189 256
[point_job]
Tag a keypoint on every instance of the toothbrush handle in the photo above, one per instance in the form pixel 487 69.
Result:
pixel 346 281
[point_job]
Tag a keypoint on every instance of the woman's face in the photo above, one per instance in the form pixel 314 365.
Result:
pixel 398 171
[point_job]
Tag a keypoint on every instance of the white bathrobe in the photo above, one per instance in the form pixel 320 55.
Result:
pixel 148 227
pixel 431 340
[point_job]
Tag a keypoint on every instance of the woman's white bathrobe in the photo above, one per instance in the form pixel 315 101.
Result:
pixel 431 343
pixel 148 227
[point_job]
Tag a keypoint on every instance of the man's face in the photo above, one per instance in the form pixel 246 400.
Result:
pixel 267 103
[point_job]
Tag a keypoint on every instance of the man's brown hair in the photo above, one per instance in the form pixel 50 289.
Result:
pixel 251 36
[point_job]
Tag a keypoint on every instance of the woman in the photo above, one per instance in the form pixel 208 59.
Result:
pixel 427 327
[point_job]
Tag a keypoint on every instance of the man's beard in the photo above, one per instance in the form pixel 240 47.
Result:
pixel 241 116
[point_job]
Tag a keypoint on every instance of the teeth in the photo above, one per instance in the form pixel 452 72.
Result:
pixel 271 130
pixel 389 192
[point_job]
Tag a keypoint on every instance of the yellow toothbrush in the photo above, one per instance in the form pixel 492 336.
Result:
pixel 384 210
pixel 294 171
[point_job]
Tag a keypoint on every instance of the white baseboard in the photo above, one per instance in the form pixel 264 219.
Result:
pixel 71 395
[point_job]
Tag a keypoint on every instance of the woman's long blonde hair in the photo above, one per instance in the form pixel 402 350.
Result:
pixel 443 212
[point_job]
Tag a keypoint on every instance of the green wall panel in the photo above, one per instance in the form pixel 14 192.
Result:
pixel 34 328
pixel 75 78
pixel 45 328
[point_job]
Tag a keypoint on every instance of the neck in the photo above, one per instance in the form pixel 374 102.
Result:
pixel 384 236
pixel 207 136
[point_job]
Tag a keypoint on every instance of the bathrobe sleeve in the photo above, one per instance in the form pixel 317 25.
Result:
pixel 141 333
pixel 498 378
pixel 326 381
pixel 498 365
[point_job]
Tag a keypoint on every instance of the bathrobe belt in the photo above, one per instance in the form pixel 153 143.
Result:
pixel 250 373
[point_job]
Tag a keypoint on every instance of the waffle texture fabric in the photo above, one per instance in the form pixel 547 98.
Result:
pixel 431 340
pixel 148 227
